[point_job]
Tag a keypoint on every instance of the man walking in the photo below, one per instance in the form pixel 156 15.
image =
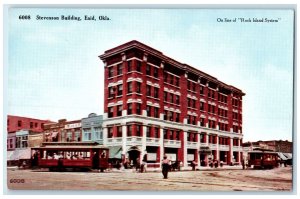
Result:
pixel 165 166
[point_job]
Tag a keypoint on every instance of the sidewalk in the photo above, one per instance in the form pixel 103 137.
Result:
pixel 183 169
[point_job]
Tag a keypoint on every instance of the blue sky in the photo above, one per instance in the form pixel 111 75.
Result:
pixel 54 71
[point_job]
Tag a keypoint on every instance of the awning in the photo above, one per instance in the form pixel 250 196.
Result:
pixel 10 155
pixel 288 155
pixel 115 152
pixel 282 157
pixel 19 154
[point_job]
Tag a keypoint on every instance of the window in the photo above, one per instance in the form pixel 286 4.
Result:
pixel 170 115
pixel 110 112
pixel 156 115
pixel 156 92
pixel 148 131
pixel 148 111
pixel 138 130
pixel 129 109
pixel 156 132
pixel 138 109
pixel 202 106
pixel 138 87
pixel 119 131
pixel 77 136
pixel 148 70
pixel 177 117
pixel 129 130
pixel 177 135
pixel 165 77
pixel 165 115
pixel 193 103
pixel 165 133
pixel 111 92
pixel 31 124
pixel 193 118
pixel 148 90
pixel 193 86
pixel 129 66
pixel 202 138
pixel 110 132
pixel 110 72
pixel 69 136
pixel 11 143
pixel 177 99
pixel 171 79
pixel 129 87
pixel 176 81
pixel 171 98
pixel 120 69
pixel 165 96
pixel 19 123
pixel 155 72
pixel 201 90
pixel 119 113
pixel 138 66
pixel 171 135
pixel 202 122
pixel 120 90
pixel 98 133
pixel 189 119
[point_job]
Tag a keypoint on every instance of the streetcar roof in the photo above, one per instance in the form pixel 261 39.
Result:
pixel 70 147
pixel 265 152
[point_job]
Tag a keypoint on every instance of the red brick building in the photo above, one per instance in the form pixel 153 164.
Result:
pixel 63 131
pixel 17 123
pixel 156 105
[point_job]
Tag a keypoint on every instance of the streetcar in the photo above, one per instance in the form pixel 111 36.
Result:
pixel 263 159
pixel 70 155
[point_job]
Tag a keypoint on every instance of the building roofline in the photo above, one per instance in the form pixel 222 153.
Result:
pixel 47 120
pixel 150 50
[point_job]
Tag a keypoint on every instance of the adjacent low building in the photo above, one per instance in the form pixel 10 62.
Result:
pixel 24 141
pixel 63 131
pixel 92 128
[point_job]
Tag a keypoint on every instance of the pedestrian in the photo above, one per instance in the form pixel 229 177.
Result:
pixel 243 164
pixel 165 166
pixel 193 164
pixel 137 165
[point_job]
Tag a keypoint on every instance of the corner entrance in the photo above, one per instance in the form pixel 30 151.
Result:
pixel 133 155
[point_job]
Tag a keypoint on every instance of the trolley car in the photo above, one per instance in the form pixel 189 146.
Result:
pixel 70 155
pixel 263 159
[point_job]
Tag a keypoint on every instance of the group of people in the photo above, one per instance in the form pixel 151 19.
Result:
pixel 69 156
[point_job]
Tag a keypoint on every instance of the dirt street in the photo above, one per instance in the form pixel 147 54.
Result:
pixel 278 179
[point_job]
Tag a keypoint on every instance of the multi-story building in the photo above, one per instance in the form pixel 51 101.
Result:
pixel 22 133
pixel 21 149
pixel 63 131
pixel 156 105
pixel 17 123
pixel 92 128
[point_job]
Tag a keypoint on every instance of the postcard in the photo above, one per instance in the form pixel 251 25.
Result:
pixel 149 99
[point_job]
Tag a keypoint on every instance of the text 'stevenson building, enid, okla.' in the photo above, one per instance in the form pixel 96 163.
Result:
pixel 156 105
